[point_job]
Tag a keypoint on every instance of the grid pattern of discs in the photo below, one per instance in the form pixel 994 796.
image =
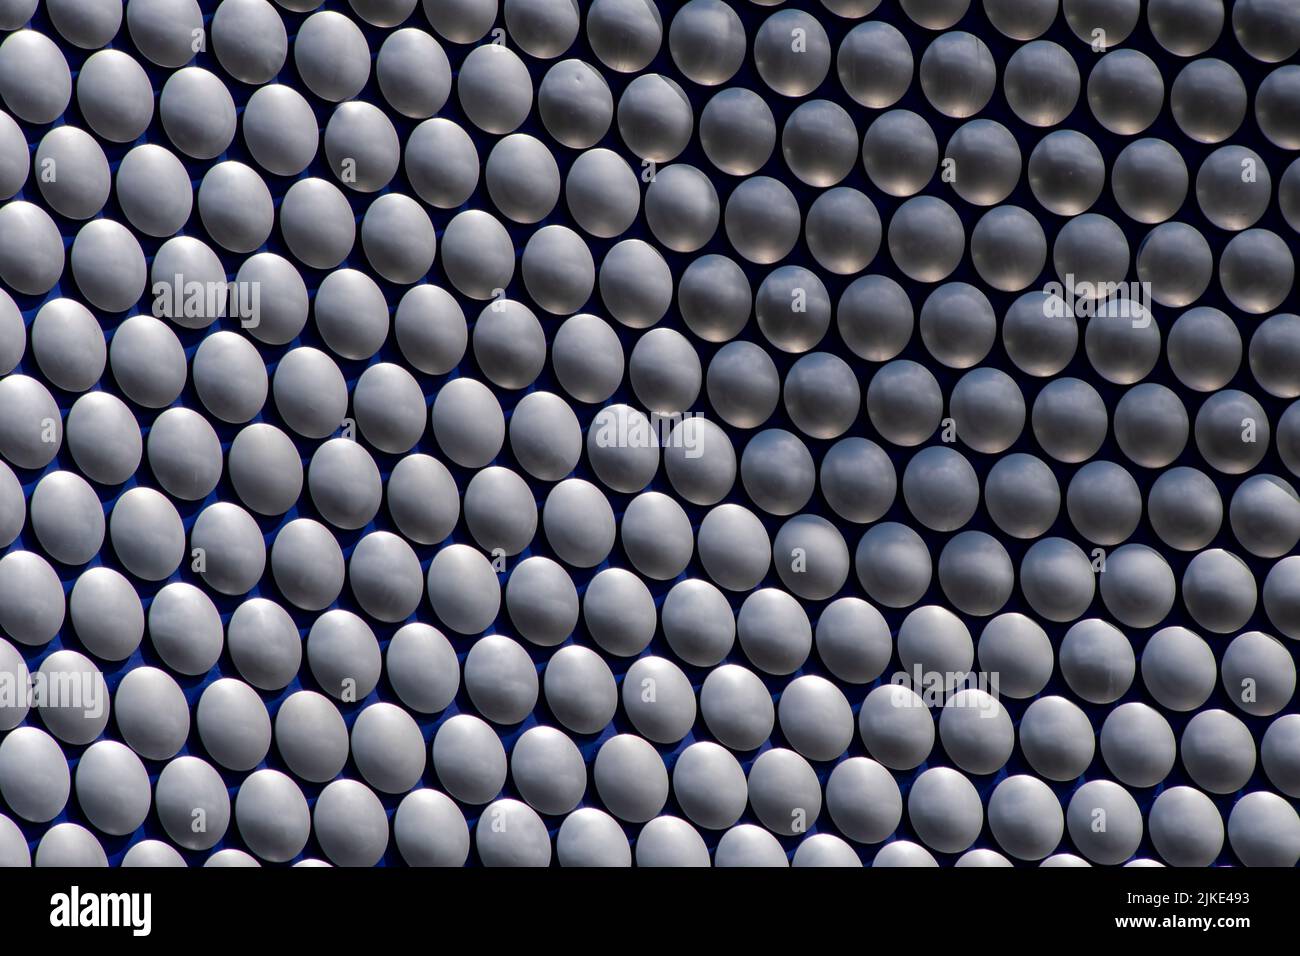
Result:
pixel 834 432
